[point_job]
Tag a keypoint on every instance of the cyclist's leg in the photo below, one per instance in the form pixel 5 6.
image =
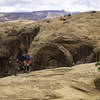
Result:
pixel 28 66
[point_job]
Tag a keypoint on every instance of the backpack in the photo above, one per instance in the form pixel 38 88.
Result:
pixel 27 57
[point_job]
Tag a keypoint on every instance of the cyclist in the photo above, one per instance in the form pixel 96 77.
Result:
pixel 27 61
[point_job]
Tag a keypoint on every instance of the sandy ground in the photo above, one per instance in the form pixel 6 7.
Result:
pixel 73 83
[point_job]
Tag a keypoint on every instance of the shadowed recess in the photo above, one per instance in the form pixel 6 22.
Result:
pixel 81 54
pixel 51 57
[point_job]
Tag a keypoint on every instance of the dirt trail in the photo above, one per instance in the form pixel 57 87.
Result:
pixel 73 83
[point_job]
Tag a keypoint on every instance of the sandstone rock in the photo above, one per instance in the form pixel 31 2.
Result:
pixel 67 42
pixel 18 35
pixel 74 83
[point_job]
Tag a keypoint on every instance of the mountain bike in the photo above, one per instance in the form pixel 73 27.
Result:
pixel 22 68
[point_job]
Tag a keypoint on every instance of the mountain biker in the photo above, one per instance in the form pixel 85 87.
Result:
pixel 27 61
pixel 24 60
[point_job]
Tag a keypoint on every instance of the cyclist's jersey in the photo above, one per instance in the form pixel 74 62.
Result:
pixel 27 60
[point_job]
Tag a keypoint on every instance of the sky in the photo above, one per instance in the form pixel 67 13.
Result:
pixel 37 5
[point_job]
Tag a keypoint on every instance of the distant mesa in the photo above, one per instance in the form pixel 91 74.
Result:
pixel 35 15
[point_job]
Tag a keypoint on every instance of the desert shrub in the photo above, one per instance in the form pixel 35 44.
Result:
pixel 99 68
pixel 6 32
pixel 98 64
pixel 93 11
pixel 97 83
pixel 48 21
pixel 69 15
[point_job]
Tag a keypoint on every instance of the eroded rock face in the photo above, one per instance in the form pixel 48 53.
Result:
pixel 52 56
pixel 63 41
pixel 4 66
pixel 15 38
pixel 64 54
pixel 67 41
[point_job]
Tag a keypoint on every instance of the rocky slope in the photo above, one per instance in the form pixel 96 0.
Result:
pixel 66 41
pixel 62 41
pixel 74 83
pixel 14 35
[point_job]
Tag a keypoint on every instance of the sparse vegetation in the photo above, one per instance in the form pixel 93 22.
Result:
pixel 93 11
pixel 98 64
pixel 48 21
pixel 69 15
pixel 97 83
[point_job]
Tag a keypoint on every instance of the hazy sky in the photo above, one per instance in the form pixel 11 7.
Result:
pixel 36 5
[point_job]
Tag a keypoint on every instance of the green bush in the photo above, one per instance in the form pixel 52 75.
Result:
pixel 99 68
pixel 98 64
pixel 97 83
